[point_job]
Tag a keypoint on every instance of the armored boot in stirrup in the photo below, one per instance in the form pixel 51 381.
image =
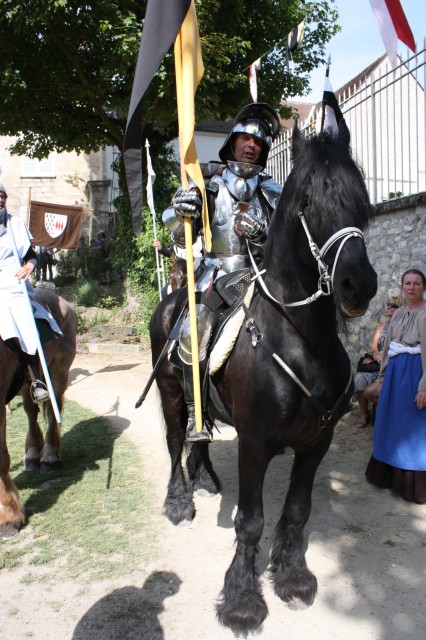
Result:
pixel 192 435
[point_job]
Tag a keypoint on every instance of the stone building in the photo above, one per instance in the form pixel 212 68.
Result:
pixel 84 180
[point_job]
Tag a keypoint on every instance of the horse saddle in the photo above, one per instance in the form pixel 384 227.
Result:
pixel 232 290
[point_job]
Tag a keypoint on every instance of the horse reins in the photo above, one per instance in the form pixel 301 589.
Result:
pixel 326 415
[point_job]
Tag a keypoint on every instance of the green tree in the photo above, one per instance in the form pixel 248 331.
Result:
pixel 68 67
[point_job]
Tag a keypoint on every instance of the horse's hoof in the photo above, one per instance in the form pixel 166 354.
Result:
pixel 184 523
pixel 206 481
pixel 178 513
pixel 296 584
pixel 206 485
pixel 243 614
pixel 8 531
pixel 50 467
pixel 32 465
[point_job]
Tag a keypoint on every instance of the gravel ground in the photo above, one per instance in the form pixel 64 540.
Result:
pixel 366 546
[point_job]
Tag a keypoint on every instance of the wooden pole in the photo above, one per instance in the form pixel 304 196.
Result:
pixel 192 310
pixel 27 221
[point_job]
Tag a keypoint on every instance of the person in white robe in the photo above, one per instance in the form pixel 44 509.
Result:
pixel 17 262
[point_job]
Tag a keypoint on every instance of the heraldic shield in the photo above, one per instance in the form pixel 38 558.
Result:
pixel 55 223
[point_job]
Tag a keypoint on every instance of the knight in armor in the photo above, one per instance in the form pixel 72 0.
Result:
pixel 240 204
pixel 17 262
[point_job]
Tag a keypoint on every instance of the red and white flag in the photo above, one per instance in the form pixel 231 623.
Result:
pixel 254 68
pixel 393 26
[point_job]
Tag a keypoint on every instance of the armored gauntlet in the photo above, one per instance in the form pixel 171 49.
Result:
pixel 247 221
pixel 187 203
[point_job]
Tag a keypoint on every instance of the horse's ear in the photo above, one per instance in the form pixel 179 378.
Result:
pixel 344 136
pixel 298 141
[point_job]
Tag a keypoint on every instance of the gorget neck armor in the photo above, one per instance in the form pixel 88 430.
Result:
pixel 244 169
pixel 241 188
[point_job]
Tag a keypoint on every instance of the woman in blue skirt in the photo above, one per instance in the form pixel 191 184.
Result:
pixel 399 450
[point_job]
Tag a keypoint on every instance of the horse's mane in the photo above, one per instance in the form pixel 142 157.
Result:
pixel 325 173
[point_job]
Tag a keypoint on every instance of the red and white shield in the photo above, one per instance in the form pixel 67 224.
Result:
pixel 55 223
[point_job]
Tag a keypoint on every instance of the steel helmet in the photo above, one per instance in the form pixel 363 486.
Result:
pixel 257 119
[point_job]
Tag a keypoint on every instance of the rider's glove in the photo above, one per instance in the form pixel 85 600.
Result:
pixel 247 223
pixel 187 203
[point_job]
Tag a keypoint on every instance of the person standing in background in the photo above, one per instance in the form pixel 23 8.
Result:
pixel 365 378
pixel 399 451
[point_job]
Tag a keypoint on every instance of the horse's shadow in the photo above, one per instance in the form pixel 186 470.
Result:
pixel 84 446
pixel 130 612
pixel 77 374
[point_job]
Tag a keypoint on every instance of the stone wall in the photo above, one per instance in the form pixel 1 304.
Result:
pixel 396 241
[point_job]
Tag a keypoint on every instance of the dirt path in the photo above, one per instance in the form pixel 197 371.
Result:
pixel 366 547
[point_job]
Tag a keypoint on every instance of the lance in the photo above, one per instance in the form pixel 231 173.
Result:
pixel 192 311
pixel 189 70
pixel 168 346
pixel 31 320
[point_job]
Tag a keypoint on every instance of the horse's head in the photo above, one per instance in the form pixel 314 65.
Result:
pixel 325 207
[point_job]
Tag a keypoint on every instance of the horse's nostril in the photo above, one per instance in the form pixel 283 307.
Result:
pixel 347 286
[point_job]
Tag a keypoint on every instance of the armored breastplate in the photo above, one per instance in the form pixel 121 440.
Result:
pixel 225 240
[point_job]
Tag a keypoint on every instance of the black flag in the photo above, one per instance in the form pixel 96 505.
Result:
pixel 295 38
pixel 163 19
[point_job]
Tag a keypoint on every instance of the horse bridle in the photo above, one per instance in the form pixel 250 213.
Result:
pixel 325 280
pixel 325 288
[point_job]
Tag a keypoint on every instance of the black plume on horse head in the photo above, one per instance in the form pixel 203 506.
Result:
pixel 326 186
pixel 326 175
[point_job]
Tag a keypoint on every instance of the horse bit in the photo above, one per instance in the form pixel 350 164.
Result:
pixel 325 288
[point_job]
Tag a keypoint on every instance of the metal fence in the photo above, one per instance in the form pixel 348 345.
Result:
pixel 386 115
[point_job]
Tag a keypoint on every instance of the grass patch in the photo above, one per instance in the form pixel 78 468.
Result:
pixel 93 517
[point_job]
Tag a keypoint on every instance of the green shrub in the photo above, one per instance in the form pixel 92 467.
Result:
pixel 67 264
pixel 88 294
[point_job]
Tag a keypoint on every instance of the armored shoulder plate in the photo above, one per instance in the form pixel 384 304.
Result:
pixel 271 190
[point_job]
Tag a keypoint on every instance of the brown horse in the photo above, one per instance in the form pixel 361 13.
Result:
pixel 178 275
pixel 40 452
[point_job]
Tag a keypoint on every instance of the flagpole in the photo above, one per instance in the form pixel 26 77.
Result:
pixel 327 73
pixel 150 199
pixel 192 307
pixel 186 83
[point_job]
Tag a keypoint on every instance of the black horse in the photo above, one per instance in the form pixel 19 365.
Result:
pixel 293 387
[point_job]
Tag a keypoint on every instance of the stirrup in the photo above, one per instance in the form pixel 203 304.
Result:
pixel 39 392
pixel 192 435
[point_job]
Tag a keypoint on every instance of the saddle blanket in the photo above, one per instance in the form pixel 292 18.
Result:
pixel 225 344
